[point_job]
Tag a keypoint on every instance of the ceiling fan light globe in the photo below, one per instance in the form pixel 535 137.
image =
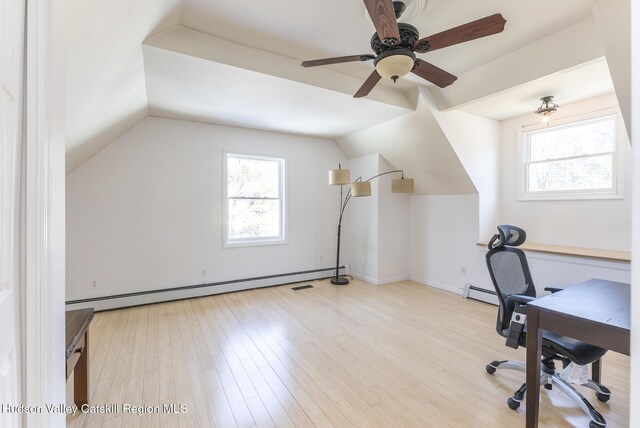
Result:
pixel 396 65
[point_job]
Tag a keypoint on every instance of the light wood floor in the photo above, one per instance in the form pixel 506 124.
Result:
pixel 332 356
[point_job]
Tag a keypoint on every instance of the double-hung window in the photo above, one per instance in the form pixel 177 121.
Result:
pixel 576 160
pixel 254 210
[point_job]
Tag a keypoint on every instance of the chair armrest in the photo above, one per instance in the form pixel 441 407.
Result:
pixel 553 289
pixel 517 305
pixel 520 298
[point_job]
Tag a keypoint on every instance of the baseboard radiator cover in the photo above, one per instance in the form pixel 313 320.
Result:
pixel 138 298
pixel 477 293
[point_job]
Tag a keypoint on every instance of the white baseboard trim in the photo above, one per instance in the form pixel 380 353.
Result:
pixel 438 285
pixel 157 296
pixel 379 281
pixel 393 279
pixel 364 278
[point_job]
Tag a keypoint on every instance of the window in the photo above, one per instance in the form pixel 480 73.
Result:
pixel 576 160
pixel 254 200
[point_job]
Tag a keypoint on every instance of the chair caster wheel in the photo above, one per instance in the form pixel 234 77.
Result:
pixel 490 369
pixel 548 386
pixel 603 397
pixel 515 404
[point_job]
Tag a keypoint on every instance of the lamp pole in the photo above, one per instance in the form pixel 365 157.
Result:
pixel 337 279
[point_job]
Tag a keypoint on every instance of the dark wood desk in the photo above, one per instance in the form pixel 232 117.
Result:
pixel 77 352
pixel 596 312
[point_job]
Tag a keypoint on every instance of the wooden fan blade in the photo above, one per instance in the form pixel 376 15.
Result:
pixel 384 19
pixel 473 30
pixel 337 60
pixel 433 74
pixel 368 85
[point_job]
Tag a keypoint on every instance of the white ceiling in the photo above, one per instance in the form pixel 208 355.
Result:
pixel 579 83
pixel 104 72
pixel 109 88
pixel 310 29
pixel 220 93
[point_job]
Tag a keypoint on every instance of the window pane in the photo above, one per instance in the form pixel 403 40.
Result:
pixel 582 139
pixel 253 178
pixel 254 218
pixel 590 173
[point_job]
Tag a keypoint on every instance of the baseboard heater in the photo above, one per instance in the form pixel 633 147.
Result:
pixel 138 298
pixel 472 292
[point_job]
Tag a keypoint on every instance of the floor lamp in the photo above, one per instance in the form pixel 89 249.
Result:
pixel 341 177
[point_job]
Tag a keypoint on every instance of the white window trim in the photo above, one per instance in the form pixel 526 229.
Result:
pixel 249 242
pixel 617 192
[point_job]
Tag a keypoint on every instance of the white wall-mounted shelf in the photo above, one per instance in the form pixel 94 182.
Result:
pixel 593 253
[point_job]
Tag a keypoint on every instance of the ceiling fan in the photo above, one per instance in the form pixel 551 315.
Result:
pixel 394 45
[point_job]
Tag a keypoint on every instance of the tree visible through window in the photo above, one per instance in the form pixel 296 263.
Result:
pixel 574 158
pixel 255 201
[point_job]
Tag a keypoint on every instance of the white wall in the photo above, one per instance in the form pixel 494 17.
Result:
pixel 146 212
pixel 443 240
pixel 375 228
pixel 595 224
pixel 393 225
pixel 635 286
pixel 445 229
pixel 444 232
pixel 476 141
pixel 360 241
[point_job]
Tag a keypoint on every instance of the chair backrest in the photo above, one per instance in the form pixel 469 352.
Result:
pixel 509 270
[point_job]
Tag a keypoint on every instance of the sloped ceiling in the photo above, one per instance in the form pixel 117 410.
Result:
pixel 234 85
pixel 109 87
pixel 104 72
pixel 422 150
pixel 588 80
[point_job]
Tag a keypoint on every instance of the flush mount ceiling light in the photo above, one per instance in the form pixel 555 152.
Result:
pixel 547 107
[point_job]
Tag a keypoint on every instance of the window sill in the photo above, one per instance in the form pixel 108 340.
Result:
pixel 257 243
pixel 591 253
pixel 593 196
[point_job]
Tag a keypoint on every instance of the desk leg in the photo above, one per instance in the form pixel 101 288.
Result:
pixel 596 370
pixel 534 351
pixel 81 375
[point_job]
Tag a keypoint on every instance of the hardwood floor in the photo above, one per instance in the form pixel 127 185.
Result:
pixel 394 355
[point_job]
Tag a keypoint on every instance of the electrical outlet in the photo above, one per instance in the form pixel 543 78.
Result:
pixel 94 284
pixel 203 272
pixel 463 270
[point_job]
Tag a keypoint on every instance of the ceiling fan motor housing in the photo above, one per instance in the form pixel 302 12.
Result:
pixel 408 36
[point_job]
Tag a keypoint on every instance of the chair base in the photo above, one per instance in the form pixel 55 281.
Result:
pixel 549 379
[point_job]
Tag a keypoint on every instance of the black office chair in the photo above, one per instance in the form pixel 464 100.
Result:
pixel 514 287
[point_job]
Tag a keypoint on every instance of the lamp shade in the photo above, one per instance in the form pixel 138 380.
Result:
pixel 402 185
pixel 361 188
pixel 339 177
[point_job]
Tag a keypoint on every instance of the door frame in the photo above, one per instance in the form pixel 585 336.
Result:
pixel 42 214
pixel 634 417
